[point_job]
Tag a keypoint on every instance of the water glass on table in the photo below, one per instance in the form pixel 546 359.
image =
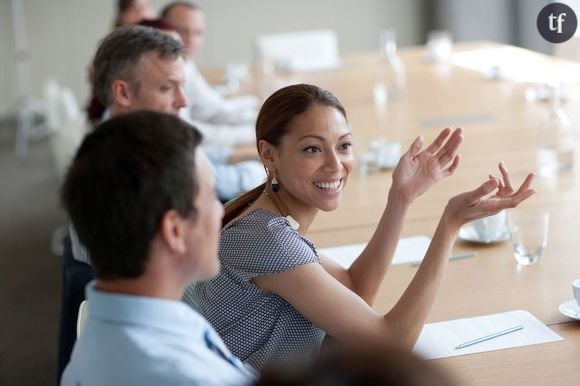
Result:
pixel 439 45
pixel 528 233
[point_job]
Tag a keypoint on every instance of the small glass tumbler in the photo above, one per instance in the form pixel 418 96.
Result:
pixel 529 234
pixel 439 45
pixel 368 163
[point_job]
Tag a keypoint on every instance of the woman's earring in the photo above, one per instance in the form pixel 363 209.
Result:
pixel 275 185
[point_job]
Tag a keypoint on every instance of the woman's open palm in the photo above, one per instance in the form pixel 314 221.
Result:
pixel 418 170
pixel 473 205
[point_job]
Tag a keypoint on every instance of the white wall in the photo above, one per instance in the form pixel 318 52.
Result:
pixel 507 21
pixel 477 19
pixel 7 71
pixel 357 23
pixel 63 34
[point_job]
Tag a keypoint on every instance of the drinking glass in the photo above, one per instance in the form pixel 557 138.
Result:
pixel 529 234
pixel 390 82
pixel 439 45
pixel 388 42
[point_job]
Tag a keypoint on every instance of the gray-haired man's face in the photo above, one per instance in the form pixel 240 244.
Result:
pixel 161 83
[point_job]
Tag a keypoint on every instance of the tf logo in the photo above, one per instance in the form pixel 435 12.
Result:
pixel 557 22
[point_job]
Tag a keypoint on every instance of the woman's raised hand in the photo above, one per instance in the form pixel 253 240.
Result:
pixel 470 206
pixel 418 170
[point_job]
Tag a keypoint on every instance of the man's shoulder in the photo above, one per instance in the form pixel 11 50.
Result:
pixel 133 359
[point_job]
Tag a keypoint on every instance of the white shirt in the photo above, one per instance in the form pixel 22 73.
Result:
pixel 223 122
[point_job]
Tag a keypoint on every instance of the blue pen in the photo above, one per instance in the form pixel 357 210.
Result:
pixel 490 336
pixel 465 255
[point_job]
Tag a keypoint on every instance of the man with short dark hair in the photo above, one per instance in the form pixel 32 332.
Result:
pixel 141 195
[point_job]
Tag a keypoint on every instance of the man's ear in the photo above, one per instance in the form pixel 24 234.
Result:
pixel 121 93
pixel 173 231
pixel 267 153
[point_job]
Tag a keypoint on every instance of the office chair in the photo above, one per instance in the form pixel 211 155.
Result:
pixel 82 317
pixel 67 127
pixel 75 276
pixel 299 50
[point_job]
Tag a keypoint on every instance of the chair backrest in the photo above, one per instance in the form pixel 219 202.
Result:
pixel 65 122
pixel 52 99
pixel 82 316
pixel 65 143
pixel 299 50
pixel 70 107
pixel 75 276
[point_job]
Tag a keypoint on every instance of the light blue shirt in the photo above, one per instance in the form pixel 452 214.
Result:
pixel 231 180
pixel 137 340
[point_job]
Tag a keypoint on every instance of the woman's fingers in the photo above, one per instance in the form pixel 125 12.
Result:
pixel 451 169
pixel 500 203
pixel 438 142
pixel 500 186
pixel 526 184
pixel 415 146
pixel 517 199
pixel 469 206
pixel 473 204
pixel 447 152
pixel 506 177
pixel 505 187
pixel 482 190
pixel 495 204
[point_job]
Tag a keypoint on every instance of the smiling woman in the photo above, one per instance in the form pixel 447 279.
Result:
pixel 275 298
pixel 303 140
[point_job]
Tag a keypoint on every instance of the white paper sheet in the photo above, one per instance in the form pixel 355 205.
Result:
pixel 517 64
pixel 438 340
pixel 409 250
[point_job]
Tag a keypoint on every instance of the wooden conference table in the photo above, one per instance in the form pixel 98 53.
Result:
pixel 499 124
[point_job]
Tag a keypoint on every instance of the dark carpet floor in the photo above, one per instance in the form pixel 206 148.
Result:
pixel 30 279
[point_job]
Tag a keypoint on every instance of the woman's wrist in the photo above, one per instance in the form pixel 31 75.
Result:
pixel 449 221
pixel 399 197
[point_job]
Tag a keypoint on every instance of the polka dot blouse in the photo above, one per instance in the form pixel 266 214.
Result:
pixel 260 328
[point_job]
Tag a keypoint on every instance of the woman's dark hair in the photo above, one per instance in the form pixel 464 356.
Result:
pixel 126 175
pixel 273 123
pixel 122 7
